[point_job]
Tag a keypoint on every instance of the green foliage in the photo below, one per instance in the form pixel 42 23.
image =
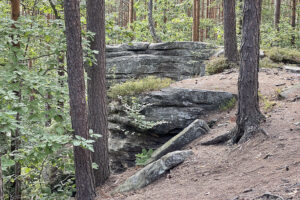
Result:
pixel 218 64
pixel 285 55
pixel 135 87
pixel 228 105
pixel 268 63
pixel 133 108
pixel 141 158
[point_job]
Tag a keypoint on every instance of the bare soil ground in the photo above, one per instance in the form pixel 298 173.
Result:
pixel 263 164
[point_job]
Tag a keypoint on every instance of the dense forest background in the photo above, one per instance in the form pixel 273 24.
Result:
pixel 35 124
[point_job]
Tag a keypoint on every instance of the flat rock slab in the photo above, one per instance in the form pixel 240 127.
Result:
pixel 293 69
pixel 154 171
pixel 175 60
pixel 193 131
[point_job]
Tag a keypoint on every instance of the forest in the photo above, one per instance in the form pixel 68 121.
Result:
pixel 79 76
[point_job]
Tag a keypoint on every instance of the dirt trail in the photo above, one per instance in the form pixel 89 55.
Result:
pixel 240 171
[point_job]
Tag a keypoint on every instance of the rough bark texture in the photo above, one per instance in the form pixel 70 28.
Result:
pixel 249 115
pixel 83 165
pixel 97 90
pixel 196 20
pixel 151 23
pixel 230 44
pixel 294 6
pixel 15 142
pixel 277 13
pixel 1 182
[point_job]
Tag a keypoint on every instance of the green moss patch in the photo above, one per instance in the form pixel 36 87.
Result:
pixel 284 55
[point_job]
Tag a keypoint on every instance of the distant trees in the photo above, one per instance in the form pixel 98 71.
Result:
pixel 97 111
pixel 230 43
pixel 294 6
pixel 82 157
pixel 196 20
pixel 277 13
pixel 155 37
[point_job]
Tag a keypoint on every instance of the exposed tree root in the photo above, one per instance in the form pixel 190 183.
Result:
pixel 220 139
pixel 231 137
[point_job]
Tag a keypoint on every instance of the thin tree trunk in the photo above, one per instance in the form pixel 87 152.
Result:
pixel 202 16
pixel 294 6
pixel 82 157
pixel 277 14
pixel 196 19
pixel 230 44
pixel 1 182
pixel 155 37
pixel 131 11
pixel 97 115
pixel 15 143
pixel 249 115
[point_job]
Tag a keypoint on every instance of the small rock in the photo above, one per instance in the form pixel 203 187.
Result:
pixel 293 69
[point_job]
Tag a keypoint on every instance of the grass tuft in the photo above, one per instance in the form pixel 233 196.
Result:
pixel 135 87
pixel 218 65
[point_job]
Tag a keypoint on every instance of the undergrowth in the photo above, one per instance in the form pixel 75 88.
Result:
pixel 284 55
pixel 218 64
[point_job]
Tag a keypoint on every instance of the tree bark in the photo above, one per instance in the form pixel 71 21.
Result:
pixel 97 115
pixel 131 11
pixel 294 6
pixel 82 157
pixel 230 44
pixel 1 181
pixel 196 20
pixel 155 37
pixel 277 13
pixel 249 115
pixel 15 141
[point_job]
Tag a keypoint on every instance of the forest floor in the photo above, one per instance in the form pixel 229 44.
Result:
pixel 241 172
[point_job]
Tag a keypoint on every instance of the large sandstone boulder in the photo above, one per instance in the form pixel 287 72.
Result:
pixel 176 107
pixel 154 171
pixel 175 60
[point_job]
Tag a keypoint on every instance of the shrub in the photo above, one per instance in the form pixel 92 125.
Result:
pixel 135 87
pixel 218 64
pixel 284 55
pixel 141 158
pixel 268 63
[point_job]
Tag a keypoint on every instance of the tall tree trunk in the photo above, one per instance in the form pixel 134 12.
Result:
pixel 155 37
pixel 294 6
pixel 230 44
pixel 82 157
pixel 15 142
pixel 249 115
pixel 196 20
pixel 1 181
pixel 202 16
pixel 97 115
pixel 277 13
pixel 131 12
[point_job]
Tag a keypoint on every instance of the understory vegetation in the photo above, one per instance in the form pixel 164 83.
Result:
pixel 138 86
pixel 36 134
